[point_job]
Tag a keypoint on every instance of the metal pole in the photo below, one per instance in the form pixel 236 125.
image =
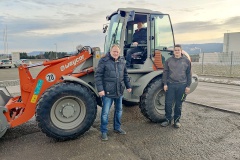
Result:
pixel 202 61
pixel 231 63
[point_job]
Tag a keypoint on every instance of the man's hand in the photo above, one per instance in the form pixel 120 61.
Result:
pixel 135 43
pixel 129 90
pixel 187 90
pixel 101 94
pixel 165 87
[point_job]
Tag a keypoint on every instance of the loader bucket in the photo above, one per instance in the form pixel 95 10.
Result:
pixel 4 98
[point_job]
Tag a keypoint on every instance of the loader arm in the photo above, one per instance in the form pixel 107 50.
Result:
pixel 22 108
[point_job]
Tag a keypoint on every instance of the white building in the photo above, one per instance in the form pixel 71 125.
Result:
pixel 231 42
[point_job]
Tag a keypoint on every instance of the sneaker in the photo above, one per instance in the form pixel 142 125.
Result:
pixel 177 125
pixel 104 137
pixel 120 131
pixel 165 123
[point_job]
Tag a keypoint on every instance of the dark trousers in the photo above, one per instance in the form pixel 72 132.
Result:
pixel 129 54
pixel 173 97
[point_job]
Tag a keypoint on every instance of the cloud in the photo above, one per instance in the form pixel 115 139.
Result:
pixel 233 21
pixel 197 26
pixel 70 23
pixel 203 26
pixel 65 41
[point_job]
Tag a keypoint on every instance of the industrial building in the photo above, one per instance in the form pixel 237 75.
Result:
pixel 231 42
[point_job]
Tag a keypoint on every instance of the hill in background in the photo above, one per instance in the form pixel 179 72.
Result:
pixel 205 47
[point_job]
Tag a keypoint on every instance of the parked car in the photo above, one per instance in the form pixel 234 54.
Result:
pixel 4 63
pixel 22 61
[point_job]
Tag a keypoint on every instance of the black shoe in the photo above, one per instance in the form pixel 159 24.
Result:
pixel 104 137
pixel 177 124
pixel 120 131
pixel 165 123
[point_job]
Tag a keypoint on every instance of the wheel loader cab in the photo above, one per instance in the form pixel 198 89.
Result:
pixel 151 54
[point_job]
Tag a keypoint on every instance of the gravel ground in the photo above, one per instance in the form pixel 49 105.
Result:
pixel 205 134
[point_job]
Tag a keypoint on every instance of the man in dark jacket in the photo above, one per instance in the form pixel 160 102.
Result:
pixel 139 37
pixel 177 80
pixel 111 78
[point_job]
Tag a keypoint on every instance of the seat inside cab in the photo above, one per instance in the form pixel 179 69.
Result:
pixel 140 56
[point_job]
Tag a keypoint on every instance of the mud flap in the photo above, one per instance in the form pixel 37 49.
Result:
pixel 4 98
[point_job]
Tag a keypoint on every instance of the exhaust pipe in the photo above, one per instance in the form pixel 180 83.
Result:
pixel 5 96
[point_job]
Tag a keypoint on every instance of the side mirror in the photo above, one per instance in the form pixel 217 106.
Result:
pixel 105 26
pixel 131 16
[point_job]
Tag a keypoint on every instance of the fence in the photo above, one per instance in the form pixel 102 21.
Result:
pixel 217 64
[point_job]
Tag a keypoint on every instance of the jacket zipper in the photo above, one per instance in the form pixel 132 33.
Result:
pixel 117 74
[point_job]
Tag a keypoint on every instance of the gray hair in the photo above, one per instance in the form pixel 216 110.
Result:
pixel 115 45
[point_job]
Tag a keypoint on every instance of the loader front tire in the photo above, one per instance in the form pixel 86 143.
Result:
pixel 152 102
pixel 66 110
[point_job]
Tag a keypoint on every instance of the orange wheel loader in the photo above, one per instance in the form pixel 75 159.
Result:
pixel 65 105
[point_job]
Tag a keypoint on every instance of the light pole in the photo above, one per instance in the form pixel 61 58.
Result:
pixel 56 50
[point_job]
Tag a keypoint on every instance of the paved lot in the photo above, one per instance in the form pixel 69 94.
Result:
pixel 12 73
pixel 205 134
pixel 220 96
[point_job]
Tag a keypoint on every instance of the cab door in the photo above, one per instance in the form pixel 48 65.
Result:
pixel 161 39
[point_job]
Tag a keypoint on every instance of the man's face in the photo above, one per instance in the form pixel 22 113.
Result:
pixel 115 52
pixel 139 25
pixel 177 51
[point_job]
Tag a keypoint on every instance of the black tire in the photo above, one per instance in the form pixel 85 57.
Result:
pixel 152 102
pixel 129 104
pixel 66 110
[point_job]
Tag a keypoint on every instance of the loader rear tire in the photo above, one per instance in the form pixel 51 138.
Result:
pixel 152 102
pixel 66 111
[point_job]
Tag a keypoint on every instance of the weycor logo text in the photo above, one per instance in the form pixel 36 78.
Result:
pixel 72 63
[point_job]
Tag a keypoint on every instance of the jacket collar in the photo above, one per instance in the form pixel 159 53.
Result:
pixel 110 57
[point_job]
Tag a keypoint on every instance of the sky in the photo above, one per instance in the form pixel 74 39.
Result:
pixel 50 25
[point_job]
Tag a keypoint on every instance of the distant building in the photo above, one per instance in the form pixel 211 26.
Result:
pixel 231 42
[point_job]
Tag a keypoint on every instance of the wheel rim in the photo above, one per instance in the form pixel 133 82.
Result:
pixel 68 112
pixel 159 102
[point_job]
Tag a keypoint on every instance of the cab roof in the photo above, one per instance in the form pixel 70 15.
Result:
pixel 137 11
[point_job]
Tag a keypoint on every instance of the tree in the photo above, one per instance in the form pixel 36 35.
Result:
pixel 23 55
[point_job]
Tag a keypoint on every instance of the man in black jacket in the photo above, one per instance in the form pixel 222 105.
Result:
pixel 111 77
pixel 177 80
pixel 139 37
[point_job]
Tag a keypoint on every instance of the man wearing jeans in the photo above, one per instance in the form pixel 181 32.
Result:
pixel 177 80
pixel 111 77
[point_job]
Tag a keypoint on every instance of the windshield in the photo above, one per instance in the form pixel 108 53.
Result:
pixel 114 32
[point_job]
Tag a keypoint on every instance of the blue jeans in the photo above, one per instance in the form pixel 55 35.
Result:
pixel 174 95
pixel 107 103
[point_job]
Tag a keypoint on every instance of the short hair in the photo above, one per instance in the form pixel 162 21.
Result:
pixel 115 45
pixel 178 45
